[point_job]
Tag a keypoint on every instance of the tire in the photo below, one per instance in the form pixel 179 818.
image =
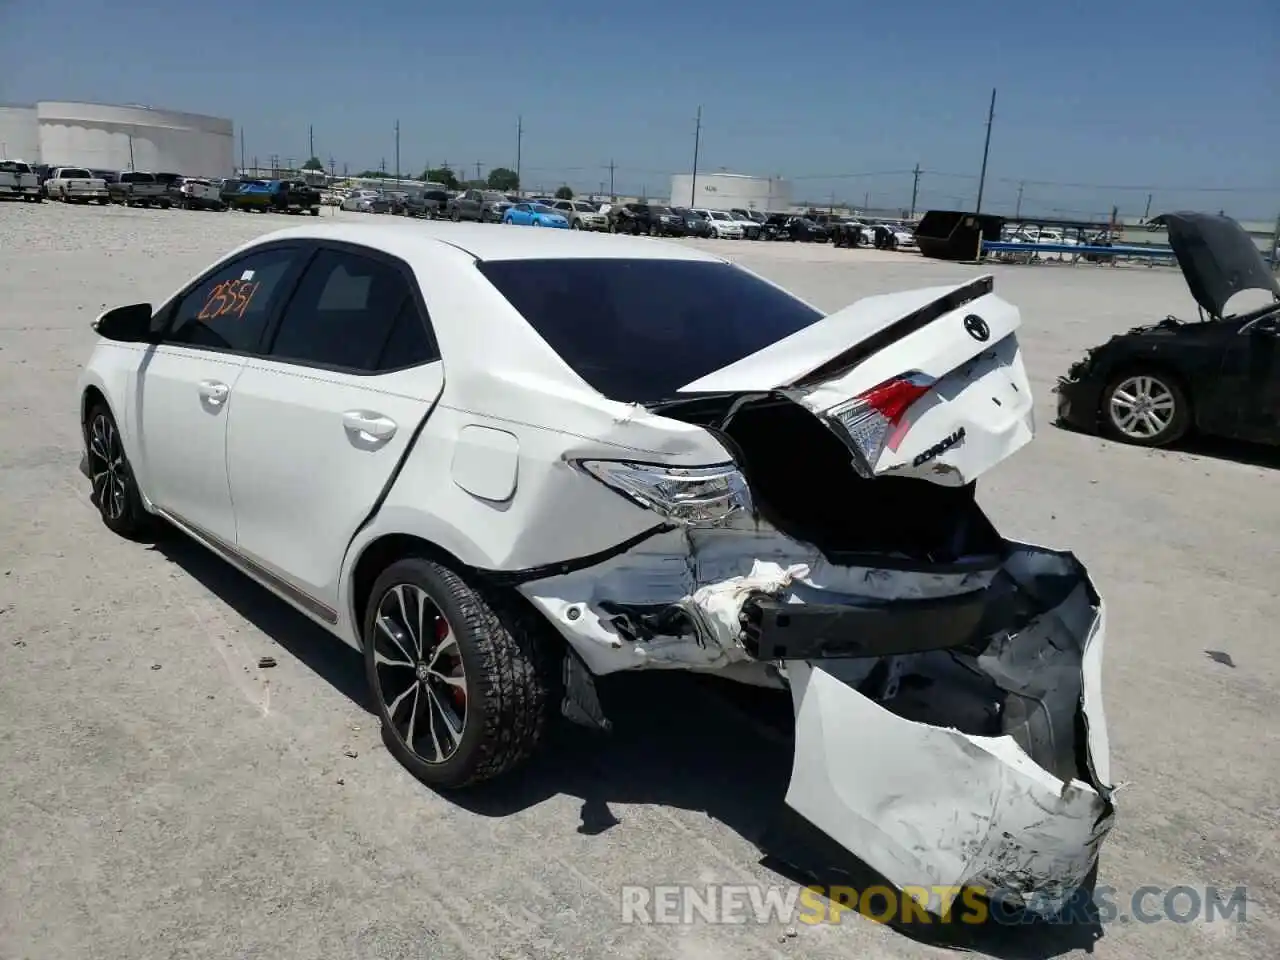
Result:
pixel 488 698
pixel 576 225
pixel 115 493
pixel 455 216
pixel 315 211
pixel 1163 412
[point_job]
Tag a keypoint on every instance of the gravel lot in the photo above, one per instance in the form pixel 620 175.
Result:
pixel 164 797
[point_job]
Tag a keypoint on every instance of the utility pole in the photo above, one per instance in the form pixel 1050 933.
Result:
pixel 697 139
pixel 519 146
pixel 986 149
pixel 311 141
pixel 612 194
pixel 397 152
pixel 915 189
pixel 477 170
pixel 242 150
pixel 1147 213
pixel 131 166
pixel 382 166
pixel 332 166
pixel 1017 210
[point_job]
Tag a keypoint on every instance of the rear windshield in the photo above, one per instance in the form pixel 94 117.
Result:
pixel 638 330
pixel 76 173
pixel 137 178
pixel 13 166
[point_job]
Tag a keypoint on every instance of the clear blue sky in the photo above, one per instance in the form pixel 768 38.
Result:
pixel 1128 93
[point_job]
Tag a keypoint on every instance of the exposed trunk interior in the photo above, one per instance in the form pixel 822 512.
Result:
pixel 803 482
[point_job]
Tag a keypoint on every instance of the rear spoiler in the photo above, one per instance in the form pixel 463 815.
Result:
pixel 899 330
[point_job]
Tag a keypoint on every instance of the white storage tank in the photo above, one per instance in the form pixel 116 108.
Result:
pixel 725 191
pixel 19 133
pixel 104 137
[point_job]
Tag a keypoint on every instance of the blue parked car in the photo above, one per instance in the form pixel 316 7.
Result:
pixel 534 215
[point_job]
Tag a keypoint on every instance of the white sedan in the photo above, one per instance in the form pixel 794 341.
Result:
pixel 502 463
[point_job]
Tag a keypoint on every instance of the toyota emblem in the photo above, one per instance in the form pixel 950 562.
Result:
pixel 977 327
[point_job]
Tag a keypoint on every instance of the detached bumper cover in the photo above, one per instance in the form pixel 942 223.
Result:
pixel 949 726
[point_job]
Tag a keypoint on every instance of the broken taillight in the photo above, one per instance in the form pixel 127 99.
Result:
pixel 690 496
pixel 874 419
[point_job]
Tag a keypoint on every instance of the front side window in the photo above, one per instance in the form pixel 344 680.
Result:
pixel 638 330
pixel 354 313
pixel 229 309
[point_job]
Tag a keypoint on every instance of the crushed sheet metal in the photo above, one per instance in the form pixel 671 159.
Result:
pixel 947 809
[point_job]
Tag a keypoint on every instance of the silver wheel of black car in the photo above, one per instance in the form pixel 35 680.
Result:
pixel 1145 407
pixel 456 678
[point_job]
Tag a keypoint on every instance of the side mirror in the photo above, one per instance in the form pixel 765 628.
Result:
pixel 131 324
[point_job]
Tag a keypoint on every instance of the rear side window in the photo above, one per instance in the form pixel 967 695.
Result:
pixel 638 330
pixel 229 309
pixel 354 313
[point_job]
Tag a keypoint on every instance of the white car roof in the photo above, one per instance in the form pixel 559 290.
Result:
pixel 490 242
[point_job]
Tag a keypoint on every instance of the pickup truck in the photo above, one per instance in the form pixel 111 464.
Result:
pixel 137 189
pixel 17 179
pixel 197 194
pixel 486 206
pixel 76 185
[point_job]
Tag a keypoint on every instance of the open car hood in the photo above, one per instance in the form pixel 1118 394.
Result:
pixel 1218 259
pixel 973 406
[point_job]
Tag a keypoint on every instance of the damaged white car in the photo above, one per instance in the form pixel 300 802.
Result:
pixel 502 464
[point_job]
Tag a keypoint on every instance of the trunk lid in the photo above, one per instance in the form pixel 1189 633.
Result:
pixel 927 383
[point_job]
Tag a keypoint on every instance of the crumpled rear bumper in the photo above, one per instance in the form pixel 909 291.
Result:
pixel 971 753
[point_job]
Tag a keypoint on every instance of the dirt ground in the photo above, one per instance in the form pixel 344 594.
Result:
pixel 163 796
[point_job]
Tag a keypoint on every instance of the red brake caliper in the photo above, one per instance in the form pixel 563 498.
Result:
pixel 442 631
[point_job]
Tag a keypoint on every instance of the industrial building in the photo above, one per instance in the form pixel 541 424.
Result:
pixel 725 191
pixel 104 137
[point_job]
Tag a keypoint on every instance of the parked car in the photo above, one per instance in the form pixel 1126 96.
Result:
pixel 277 196
pixel 485 206
pixel 723 226
pixel 228 187
pixel 850 232
pixel 657 220
pixel 751 228
pixel 172 183
pixel 620 471
pixel 1219 375
pixel 534 215
pixel 198 194
pixel 783 226
pixel 366 201
pixel 137 188
pixel 582 215
pixel 695 224
pixel 76 185
pixel 19 181
pixel 429 204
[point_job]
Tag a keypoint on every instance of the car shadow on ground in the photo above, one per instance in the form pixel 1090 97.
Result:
pixel 1198 445
pixel 678 740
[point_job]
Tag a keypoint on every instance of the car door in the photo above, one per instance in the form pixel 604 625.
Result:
pixel 323 420
pixel 1249 398
pixel 185 385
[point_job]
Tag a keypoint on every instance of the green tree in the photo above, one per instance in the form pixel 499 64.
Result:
pixel 371 174
pixel 313 164
pixel 564 193
pixel 501 178
pixel 442 175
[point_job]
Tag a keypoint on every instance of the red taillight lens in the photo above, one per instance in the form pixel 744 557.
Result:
pixel 873 419
pixel 894 398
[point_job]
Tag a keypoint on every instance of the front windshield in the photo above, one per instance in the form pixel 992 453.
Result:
pixel 662 211
pixel 717 215
pixel 583 206
pixel 494 198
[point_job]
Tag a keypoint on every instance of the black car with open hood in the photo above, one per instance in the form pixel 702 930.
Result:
pixel 1219 375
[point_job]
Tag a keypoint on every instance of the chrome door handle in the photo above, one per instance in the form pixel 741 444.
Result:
pixel 213 391
pixel 372 424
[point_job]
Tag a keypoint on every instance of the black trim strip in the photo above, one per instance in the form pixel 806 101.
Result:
pixel 508 578
pixel 253 569
pixel 899 330
pixel 790 631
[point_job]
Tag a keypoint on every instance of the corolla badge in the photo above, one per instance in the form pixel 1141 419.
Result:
pixel 977 328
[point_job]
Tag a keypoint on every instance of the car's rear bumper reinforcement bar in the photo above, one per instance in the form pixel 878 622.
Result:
pixel 773 630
